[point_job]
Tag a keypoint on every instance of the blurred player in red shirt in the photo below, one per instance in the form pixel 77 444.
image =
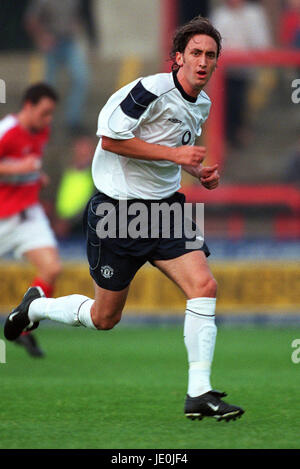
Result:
pixel 24 227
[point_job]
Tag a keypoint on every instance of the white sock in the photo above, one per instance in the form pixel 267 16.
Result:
pixel 84 314
pixel 73 310
pixel 199 338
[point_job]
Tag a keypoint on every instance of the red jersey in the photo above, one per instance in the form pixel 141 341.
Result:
pixel 19 191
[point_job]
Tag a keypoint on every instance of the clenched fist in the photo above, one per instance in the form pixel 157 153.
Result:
pixel 209 177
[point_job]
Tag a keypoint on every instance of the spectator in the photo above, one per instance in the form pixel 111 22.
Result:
pixel 243 26
pixel 70 203
pixel 54 26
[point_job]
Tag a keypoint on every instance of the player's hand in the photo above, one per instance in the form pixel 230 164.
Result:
pixel 27 165
pixel 209 177
pixel 190 155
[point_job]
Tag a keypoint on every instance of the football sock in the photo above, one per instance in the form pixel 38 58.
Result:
pixel 84 314
pixel 74 310
pixel 199 338
pixel 47 288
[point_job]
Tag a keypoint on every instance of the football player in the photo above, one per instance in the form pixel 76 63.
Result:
pixel 147 132
pixel 24 227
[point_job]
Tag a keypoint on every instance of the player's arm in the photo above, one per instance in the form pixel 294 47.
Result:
pixel 137 148
pixel 25 165
pixel 193 171
pixel 207 175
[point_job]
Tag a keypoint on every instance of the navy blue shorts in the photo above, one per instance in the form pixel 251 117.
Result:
pixel 119 242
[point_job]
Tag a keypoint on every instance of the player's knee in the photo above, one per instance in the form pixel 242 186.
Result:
pixel 105 323
pixel 211 287
pixel 207 287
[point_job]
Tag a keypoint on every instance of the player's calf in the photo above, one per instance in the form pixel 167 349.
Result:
pixel 47 263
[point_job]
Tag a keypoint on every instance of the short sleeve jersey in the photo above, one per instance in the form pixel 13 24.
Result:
pixel 19 191
pixel 154 109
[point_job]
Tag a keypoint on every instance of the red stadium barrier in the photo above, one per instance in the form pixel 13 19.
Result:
pixel 281 195
pixel 283 199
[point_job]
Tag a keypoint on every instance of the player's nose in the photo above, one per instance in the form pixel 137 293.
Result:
pixel 202 61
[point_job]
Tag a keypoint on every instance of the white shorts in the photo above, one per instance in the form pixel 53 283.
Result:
pixel 26 231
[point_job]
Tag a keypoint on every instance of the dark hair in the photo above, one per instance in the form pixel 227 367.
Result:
pixel 36 92
pixel 183 34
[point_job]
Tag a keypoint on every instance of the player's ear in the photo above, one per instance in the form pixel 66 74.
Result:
pixel 179 59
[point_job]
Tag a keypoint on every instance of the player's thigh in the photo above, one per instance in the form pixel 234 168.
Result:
pixel 191 273
pixel 8 238
pixel 108 306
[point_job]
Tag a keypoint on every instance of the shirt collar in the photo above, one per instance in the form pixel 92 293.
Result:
pixel 186 96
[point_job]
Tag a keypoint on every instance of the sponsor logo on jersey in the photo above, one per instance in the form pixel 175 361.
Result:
pixel 175 121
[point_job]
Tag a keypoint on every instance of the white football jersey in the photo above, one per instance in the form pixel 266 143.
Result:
pixel 155 109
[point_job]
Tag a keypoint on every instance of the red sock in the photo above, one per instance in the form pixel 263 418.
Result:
pixel 47 289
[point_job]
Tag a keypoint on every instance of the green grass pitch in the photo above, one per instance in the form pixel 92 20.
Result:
pixel 125 388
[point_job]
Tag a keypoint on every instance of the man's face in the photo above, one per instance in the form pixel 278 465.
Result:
pixel 41 113
pixel 197 63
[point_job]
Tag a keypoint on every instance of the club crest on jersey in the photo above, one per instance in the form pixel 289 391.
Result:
pixel 107 271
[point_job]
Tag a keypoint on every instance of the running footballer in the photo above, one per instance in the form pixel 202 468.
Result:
pixel 147 132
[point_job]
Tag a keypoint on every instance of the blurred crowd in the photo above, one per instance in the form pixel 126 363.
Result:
pixel 54 27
